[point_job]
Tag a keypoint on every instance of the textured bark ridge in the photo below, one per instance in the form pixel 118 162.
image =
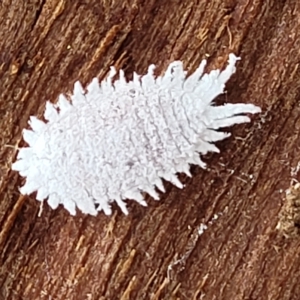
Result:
pixel 229 233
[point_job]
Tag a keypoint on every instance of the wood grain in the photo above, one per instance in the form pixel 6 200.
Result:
pixel 156 252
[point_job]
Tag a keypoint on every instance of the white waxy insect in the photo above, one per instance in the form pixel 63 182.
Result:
pixel 119 139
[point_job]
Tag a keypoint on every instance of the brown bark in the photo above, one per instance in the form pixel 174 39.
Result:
pixel 45 46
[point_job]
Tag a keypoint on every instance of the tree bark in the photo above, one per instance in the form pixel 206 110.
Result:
pixel 250 249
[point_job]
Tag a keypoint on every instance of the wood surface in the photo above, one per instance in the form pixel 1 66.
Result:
pixel 251 248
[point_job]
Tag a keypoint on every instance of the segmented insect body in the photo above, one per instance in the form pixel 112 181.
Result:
pixel 119 139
